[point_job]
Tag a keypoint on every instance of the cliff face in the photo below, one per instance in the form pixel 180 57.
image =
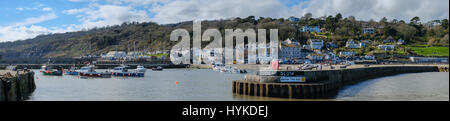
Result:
pixel 95 41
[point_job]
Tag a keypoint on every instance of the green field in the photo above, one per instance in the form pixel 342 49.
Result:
pixel 158 55
pixel 430 51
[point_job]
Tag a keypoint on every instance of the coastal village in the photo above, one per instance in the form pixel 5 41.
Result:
pixel 290 56
pixel 315 50
pixel 305 40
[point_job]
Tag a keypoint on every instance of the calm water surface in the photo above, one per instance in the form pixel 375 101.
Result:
pixel 430 86
pixel 208 85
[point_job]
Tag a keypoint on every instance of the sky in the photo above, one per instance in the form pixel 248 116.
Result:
pixel 24 19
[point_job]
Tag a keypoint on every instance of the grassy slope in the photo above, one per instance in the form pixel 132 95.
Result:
pixel 430 51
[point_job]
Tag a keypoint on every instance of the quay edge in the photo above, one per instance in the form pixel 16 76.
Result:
pixel 320 84
pixel 16 87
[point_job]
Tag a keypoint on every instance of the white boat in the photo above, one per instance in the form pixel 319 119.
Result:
pixel 140 69
pixel 159 68
pixel 89 71
pixel 124 72
pixel 11 68
pixel 218 67
pixel 230 69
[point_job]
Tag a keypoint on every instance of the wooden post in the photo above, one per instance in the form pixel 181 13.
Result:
pixel 290 90
pixel 18 86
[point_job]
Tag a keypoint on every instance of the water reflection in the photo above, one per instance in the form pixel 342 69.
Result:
pixel 208 85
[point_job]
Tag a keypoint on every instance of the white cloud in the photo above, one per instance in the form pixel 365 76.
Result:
pixel 138 2
pixel 184 10
pixel 103 15
pixel 35 20
pixel 25 29
pixel 75 11
pixel 82 0
pixel 47 9
pixel 10 33
pixel 94 16
pixel 377 9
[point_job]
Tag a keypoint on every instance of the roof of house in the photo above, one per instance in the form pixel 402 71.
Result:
pixel 390 38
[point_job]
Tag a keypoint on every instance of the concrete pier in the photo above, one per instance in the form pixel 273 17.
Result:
pixel 318 84
pixel 16 86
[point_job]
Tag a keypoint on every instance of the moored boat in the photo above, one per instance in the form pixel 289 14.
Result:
pixel 71 71
pixel 140 69
pixel 124 72
pixel 159 68
pixel 89 71
pixel 48 70
pixel 11 68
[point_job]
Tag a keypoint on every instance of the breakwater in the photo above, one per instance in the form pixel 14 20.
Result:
pixel 16 85
pixel 318 84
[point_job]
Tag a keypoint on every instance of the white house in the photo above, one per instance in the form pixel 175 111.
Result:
pixel 331 45
pixel 310 29
pixel 369 57
pixel 294 19
pixel 133 54
pixel 289 49
pixel 308 47
pixel 290 41
pixel 316 43
pixel 116 54
pixel 347 53
pixel 390 39
pixel 386 47
pixel 290 53
pixel 316 57
pixel 401 42
pixel 351 44
pixel 369 30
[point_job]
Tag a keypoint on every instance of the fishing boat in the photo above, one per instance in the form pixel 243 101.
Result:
pixel 124 72
pixel 71 71
pixel 89 71
pixel 159 68
pixel 49 70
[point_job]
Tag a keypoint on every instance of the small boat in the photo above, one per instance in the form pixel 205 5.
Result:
pixel 124 72
pixel 89 71
pixel 159 68
pixel 71 71
pixel 218 67
pixel 11 68
pixel 228 68
pixel 140 69
pixel 48 70
pixel 238 71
